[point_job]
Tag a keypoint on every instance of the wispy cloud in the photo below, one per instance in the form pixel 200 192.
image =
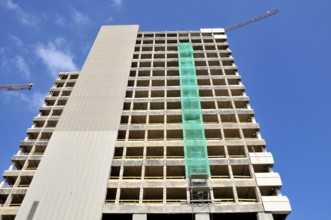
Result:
pixel 117 2
pixel 17 41
pixel 57 56
pixel 22 16
pixel 22 67
pixel 60 20
pixel 33 100
pixel 79 17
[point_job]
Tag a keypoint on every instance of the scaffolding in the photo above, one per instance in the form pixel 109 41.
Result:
pixel 195 147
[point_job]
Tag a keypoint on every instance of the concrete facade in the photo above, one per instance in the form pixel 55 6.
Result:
pixel 114 138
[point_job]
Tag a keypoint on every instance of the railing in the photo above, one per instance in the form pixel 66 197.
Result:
pixel 152 201
pixel 220 176
pixel 247 200
pixel 153 177
pixel 241 177
pixel 224 200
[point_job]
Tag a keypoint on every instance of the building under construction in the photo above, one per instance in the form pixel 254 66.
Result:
pixel 157 125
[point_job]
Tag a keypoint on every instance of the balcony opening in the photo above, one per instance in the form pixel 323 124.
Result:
pixel 221 92
pixel 153 172
pixel 121 135
pixel 245 118
pixel 51 124
pixel 218 82
pixel 206 93
pixel 223 195
pixel 142 83
pixel 255 149
pixel 115 172
pixel 175 172
pixel 176 195
pixel 158 73
pixel 173 93
pixel 210 119
pixel 174 134
pixel 157 106
pixel 140 106
pixel 157 93
pixel 203 82
pixel 33 164
pixel 219 171
pixel 156 119
pixel 173 72
pixel 241 171
pixel 240 104
pixel 138 119
pixel 132 172
pixel 124 119
pixel 201 72
pixel 157 82
pixel 224 105
pixel 268 191
pixel 261 168
pixel 155 134
pixel 128 94
pixel 143 73
pixel 213 134
pixel 236 152
pixel 228 118
pixel 129 195
pixel 246 194
pixel 174 119
pixel 141 94
pixel 216 152
pixel 170 216
pixel 173 105
pixel 118 153
pixel 173 82
pixel 137 134
pixel 134 152
pixel 154 152
pixel 231 134
pixel 153 195
pixel 216 72
pixel 175 152
pixel 111 195
pixel 250 133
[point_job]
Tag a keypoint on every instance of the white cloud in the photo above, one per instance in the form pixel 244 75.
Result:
pixel 22 67
pixel 56 56
pixel 22 16
pixel 80 18
pixel 118 2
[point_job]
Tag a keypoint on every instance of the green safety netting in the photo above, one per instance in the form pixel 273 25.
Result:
pixel 195 147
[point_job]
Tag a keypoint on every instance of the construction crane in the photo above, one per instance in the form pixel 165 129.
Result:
pixel 251 20
pixel 12 87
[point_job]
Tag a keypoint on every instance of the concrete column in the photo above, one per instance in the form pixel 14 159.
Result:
pixel 139 217
pixel 264 216
pixel 202 216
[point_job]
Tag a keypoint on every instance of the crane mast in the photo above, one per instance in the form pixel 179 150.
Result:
pixel 12 87
pixel 251 20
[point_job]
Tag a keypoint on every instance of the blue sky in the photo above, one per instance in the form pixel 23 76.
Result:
pixel 284 61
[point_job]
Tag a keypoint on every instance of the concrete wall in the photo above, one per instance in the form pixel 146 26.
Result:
pixel 81 147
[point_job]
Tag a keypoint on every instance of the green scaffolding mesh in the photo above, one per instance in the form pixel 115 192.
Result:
pixel 195 147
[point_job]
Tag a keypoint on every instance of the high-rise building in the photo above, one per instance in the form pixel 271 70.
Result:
pixel 157 125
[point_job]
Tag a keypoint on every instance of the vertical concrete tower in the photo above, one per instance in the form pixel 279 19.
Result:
pixel 157 125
